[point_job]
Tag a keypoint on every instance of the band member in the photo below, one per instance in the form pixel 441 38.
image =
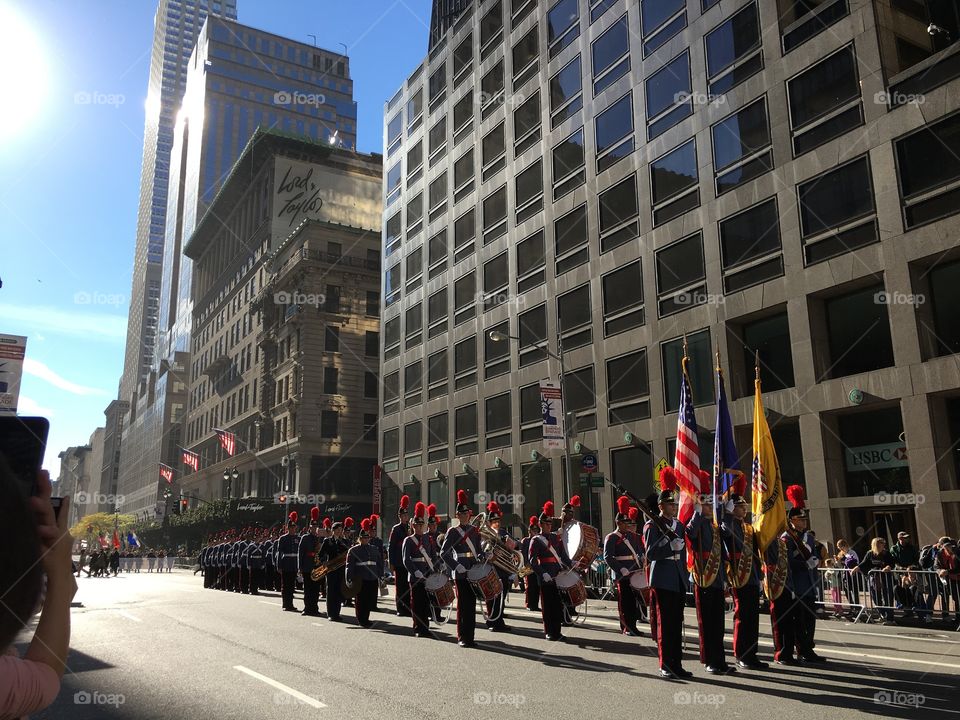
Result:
pixel 375 538
pixel 307 554
pixel 326 531
pixel 287 547
pixel 365 566
pixel 744 575
pixel 331 549
pixel 420 561
pixel 348 533
pixel 243 578
pixel 398 534
pixel 254 564
pixel 433 532
pixel 461 551
pixel 532 581
pixel 621 553
pixel 568 516
pixel 709 576
pixel 497 606
pixel 548 558
pixel 803 562
pixel 666 554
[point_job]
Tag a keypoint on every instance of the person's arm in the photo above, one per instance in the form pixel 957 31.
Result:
pixel 51 641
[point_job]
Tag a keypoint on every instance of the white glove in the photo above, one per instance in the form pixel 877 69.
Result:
pixel 418 575
pixel 729 506
pixel 460 569
pixel 676 544
pixel 546 577
pixel 513 578
pixel 813 562
pixel 624 572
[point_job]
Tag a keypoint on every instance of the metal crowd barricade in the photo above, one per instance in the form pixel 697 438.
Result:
pixel 841 591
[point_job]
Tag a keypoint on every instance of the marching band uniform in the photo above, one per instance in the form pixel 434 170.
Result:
pixel 325 532
pixel 744 575
pixel 461 551
pixel 568 516
pixel 420 561
pixel 803 561
pixel 668 580
pixel 307 552
pixel 365 566
pixel 532 581
pixel 287 547
pixel 621 550
pixel 243 578
pixel 709 563
pixel 433 532
pixel 497 606
pixel 266 578
pixel 548 558
pixel 254 565
pixel 398 534
pixel 331 548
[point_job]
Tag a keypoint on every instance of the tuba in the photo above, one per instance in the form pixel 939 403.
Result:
pixel 323 569
pixel 499 555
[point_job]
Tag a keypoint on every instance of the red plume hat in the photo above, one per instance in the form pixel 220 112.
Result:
pixel 462 498
pixel 547 514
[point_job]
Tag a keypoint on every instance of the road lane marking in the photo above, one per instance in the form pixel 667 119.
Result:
pixel 128 616
pixel 898 637
pixel 313 702
pixel 268 602
pixel 317 624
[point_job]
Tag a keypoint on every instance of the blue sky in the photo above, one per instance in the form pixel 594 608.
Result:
pixel 70 171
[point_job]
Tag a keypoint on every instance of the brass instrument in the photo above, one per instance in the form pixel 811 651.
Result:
pixel 323 569
pixel 498 554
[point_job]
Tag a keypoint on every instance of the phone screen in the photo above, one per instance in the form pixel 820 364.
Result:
pixel 22 444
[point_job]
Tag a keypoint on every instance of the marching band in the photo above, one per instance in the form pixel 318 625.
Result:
pixel 476 560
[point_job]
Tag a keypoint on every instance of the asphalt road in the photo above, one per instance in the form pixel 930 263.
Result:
pixel 160 646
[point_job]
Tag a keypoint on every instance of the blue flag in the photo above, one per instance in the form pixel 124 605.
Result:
pixel 726 462
pixel 132 539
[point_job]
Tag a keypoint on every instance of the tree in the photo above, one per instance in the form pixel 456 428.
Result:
pixel 90 526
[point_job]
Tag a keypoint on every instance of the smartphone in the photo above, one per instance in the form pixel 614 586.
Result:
pixel 23 441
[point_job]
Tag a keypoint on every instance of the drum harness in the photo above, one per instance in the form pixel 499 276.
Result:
pixel 426 556
pixel 567 617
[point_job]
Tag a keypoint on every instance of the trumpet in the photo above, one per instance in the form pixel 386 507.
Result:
pixel 499 555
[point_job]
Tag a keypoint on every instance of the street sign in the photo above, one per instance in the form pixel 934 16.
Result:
pixel 594 480
pixel 589 463
pixel 656 471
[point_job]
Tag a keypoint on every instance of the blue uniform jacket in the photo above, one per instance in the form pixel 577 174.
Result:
pixel 668 567
pixel 623 551
pixel 364 564
pixel 306 552
pixel 398 534
pixel 456 550
pixel 287 553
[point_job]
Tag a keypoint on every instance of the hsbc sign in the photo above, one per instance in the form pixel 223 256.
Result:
pixel 877 457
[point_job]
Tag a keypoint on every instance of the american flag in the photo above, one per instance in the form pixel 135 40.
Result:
pixel 228 441
pixel 191 459
pixel 166 472
pixel 686 461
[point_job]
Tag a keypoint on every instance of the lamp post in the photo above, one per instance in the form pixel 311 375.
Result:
pixel 497 336
pixel 229 475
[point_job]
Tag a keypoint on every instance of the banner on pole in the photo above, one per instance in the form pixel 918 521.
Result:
pixel 551 406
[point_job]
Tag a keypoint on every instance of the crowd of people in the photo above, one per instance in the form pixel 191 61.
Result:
pixel 106 562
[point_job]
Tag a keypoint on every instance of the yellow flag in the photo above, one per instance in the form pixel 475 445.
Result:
pixel 769 514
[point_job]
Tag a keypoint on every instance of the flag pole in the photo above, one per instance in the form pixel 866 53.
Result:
pixel 756 364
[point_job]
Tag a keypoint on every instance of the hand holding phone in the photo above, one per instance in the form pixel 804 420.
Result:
pixel 56 543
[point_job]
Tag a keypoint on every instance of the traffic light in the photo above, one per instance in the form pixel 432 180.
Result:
pixel 283 499
pixel 183 504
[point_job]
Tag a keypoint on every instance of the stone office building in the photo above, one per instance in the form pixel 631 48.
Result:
pixel 755 175
pixel 285 332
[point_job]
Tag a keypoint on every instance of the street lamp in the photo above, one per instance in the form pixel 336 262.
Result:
pixel 229 475
pixel 497 336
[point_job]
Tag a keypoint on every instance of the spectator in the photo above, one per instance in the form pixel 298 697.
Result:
pixel 904 552
pixel 909 596
pixel 34 543
pixel 876 565
pixel 947 565
pixel 931 583
pixel 848 559
pixel 83 560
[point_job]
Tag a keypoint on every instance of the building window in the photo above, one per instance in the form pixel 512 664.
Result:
pixel 533 334
pixel 614 132
pixel 413 326
pixel 465 362
pixel 750 246
pixel 463 112
pixel 437 250
pixel 837 211
pixel 531 414
pixel 465 297
pixel 741 146
pixel 566 96
pixel 330 425
pixel 858 333
pixel 465 429
pixel 412 438
pixel 733 51
pixel 391 333
pixel 491 29
pixel 415 107
pixel 438 433
pixel 492 150
pixel 463 174
pixel 681 278
pixel 438 194
pixel 369 384
pixel 770 337
pixel 526 123
pixel 414 265
pixel 437 312
pixel 414 163
pixel 496 354
pixel 824 101
pixel 525 54
pixel 536 485
pixel 700 368
pixel 394 176
pixel 618 214
pixel 394 130
pixel 392 234
pixel 529 191
pixel 438 84
pixel 660 20
pixel 415 215
pixel 491 90
pixel 531 261
pixel 563 26
pixel 372 343
pixel 800 21
pixel 611 55
pixel 495 215
pixel 669 99
pixel 462 59
pixel 580 398
pixel 391 443
pixel 331 341
pixel 571 240
pixel 413 377
pixel 496 279
pixel 331 300
pixel 568 165
pixel 373 303
pixel 330 378
pixel 437 372
pixel 464 232
pixel 628 388
pixel 438 138
pixel 674 183
pixel 944 282
pixel 623 307
pixel 574 317
pixel 860 433
pixel 928 167
pixel 370 426
pixel 498 418
pixel 391 387
pixel 632 469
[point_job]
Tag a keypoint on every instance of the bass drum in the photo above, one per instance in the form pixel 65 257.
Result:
pixel 582 543
pixel 349 592
pixel 440 588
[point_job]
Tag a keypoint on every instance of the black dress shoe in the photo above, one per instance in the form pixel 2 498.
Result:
pixel 290 609
pixel 310 614
pixel 632 632
pixel 668 674
pixel 467 643
pixel 813 658
pixel 498 628
pixel 683 673
pixel 334 619
pixel 752 665
pixel 553 638
pixel 786 661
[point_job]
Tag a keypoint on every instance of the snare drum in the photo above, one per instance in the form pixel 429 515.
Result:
pixel 640 585
pixel 570 585
pixel 582 543
pixel 440 588
pixel 485 581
